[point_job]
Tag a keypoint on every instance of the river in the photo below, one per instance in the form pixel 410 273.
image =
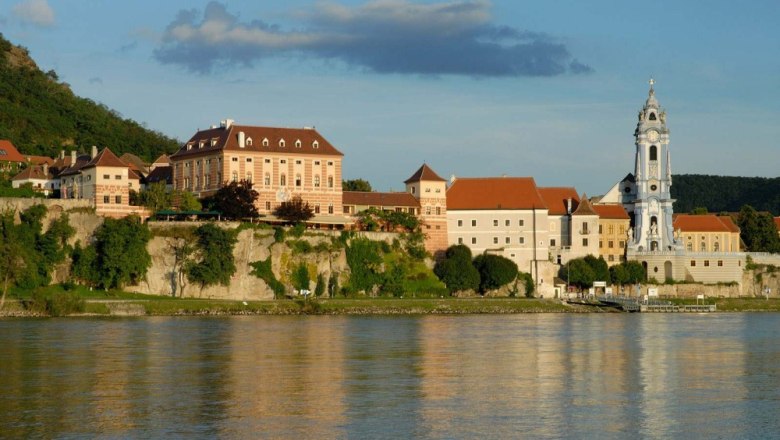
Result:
pixel 481 376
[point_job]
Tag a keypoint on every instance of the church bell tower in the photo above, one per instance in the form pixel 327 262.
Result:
pixel 652 223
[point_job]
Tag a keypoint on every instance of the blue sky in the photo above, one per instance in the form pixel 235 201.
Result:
pixel 548 89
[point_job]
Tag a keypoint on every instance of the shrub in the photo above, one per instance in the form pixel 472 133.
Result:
pixel 528 281
pixel 300 246
pixel 320 289
pixel 494 271
pixel 57 304
pixel 262 269
pixel 216 264
pixel 301 278
pixel 279 234
pixel 297 230
pixel 456 270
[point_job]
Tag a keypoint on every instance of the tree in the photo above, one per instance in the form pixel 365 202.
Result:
pixel 121 254
pixel 600 268
pixel 215 264
pixel 758 230
pixel 364 258
pixel 187 201
pixel 393 283
pixel 300 278
pixel 356 185
pixel 235 200
pixel 12 253
pixel 494 271
pixel 456 270
pixel 156 197
pixel 578 273
pixel 320 288
pixel 699 211
pixel 182 246
pixel 627 273
pixel 295 210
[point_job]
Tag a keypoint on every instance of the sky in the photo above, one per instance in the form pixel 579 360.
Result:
pixel 547 89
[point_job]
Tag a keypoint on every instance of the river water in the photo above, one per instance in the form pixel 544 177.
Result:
pixel 518 376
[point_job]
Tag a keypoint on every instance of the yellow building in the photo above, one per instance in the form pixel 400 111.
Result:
pixel 707 233
pixel 613 232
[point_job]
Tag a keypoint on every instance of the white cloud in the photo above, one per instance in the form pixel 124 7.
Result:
pixel 36 12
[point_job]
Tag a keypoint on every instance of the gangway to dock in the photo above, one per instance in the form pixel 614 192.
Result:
pixel 629 304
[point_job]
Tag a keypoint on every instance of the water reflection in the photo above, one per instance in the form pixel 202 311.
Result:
pixel 553 376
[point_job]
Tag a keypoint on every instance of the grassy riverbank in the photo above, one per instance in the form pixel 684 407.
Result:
pixel 106 303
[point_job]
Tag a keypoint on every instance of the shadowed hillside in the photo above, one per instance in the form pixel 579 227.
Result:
pixel 725 193
pixel 41 115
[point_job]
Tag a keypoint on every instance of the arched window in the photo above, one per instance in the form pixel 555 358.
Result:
pixel 652 116
pixel 330 181
pixel 248 142
pixel 298 143
pixel 249 177
pixel 267 179
pixel 283 180
pixel 298 180
pixel 265 142
pixel 315 144
pixel 235 176
pixel 317 181
pixel 653 152
pixel 703 247
pixel 690 247
pixel 281 143
pixel 716 247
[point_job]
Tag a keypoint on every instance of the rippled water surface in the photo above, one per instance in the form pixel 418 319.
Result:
pixel 519 376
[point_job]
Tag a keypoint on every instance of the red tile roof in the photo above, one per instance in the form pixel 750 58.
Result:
pixel 33 172
pixel 611 211
pixel 585 207
pixel 379 199
pixel 39 160
pixel 9 153
pixel 777 223
pixel 227 139
pixel 425 173
pixel 556 199
pixel 494 193
pixel 162 160
pixel 704 223
pixel 105 159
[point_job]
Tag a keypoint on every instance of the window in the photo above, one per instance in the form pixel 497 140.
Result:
pixel 265 142
pixel 427 190
pixel 495 222
pixel 317 181
pixel 315 145
pixel 234 159
pixel 283 180
pixel 298 162
pixel 584 241
pixel 317 209
pixel 693 263
pixel 316 162
pixel 249 159
pixel 706 263
pixel 208 180
pixel 438 210
pixel 186 183
pixel 584 227
pixel 520 222
pixel 267 179
pixel 235 176
pixel 118 200
pixel 267 161
pixel 460 223
pixel 506 240
pixel 298 143
pixel 601 244
pixel 249 177
pixel 703 246
pixel 330 164
pixel 610 244
pixel 506 223
pixel 298 180
pixel 189 147
pixel 611 258
pixel 330 181
pixel 427 210
pixel 413 190
pixel 653 152
pixel 283 161
pixel 106 177
pixel 330 209
pixel 438 190
pixel 118 177
pixel 622 244
pixel 268 206
pixel 106 199
pixel 460 240
pixel 600 229
pixel 281 143
pixel 248 142
pixel 473 223
pixel 473 240
pixel 690 247
pixel 552 242
pixel 720 263
pixel 521 240
pixel 716 247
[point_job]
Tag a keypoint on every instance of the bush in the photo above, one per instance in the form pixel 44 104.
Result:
pixel 528 281
pixel 57 304
pixel 301 279
pixel 216 264
pixel 297 230
pixel 320 289
pixel 456 270
pixel 279 234
pixel 262 269
pixel 300 246
pixel 494 271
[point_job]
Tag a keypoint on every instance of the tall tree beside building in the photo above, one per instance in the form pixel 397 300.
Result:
pixel 295 210
pixel 236 201
pixel 758 230
pixel 358 185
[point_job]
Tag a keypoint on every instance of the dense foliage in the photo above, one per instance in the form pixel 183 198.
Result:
pixel 365 261
pixel 118 257
pixel 725 193
pixel 494 271
pixel 582 272
pixel 356 185
pixel 235 201
pixel 41 115
pixel 262 269
pixel 214 263
pixel 294 210
pixel 301 278
pixel 627 272
pixel 758 230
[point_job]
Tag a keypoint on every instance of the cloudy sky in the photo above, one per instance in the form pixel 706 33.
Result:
pixel 540 88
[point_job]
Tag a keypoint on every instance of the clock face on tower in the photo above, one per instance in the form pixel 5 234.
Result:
pixel 652 135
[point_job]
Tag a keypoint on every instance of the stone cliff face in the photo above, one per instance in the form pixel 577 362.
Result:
pixel 162 277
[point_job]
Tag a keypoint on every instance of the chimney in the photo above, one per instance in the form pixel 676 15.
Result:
pixel 241 139
pixel 62 154
pixel 94 151
pixel 568 205
pixel 226 123
pixel 73 157
pixel 452 179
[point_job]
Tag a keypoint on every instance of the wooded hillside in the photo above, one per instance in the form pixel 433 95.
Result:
pixel 725 193
pixel 41 115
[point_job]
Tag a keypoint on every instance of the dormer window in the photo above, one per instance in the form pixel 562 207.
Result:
pixel 315 145
pixel 265 142
pixel 201 144
pixel 189 146
pixel 214 142
pixel 281 143
pixel 248 142
pixel 298 143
